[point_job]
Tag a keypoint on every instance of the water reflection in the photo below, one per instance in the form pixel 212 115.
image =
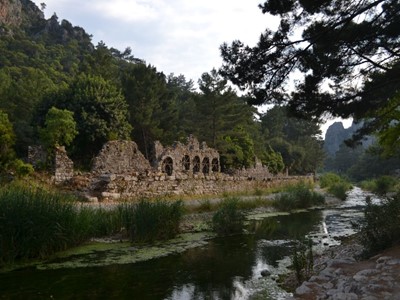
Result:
pixel 225 268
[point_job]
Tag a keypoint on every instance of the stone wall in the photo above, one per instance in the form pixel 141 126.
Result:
pixel 121 171
pixel 120 157
pixel 189 158
pixel 63 166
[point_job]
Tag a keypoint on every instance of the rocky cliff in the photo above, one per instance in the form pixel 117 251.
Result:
pixel 19 13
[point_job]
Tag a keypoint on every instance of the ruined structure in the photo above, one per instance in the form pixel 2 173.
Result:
pixel 121 171
pixel 189 159
pixel 63 166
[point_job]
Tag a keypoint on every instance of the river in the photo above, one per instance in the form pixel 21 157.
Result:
pixel 220 268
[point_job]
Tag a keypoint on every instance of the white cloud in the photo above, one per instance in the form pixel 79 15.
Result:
pixel 178 36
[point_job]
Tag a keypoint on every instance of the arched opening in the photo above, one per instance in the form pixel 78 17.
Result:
pixel 186 163
pixel 196 164
pixel 215 165
pixel 168 166
pixel 206 165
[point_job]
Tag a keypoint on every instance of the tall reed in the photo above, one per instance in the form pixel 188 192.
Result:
pixel 157 220
pixel 35 223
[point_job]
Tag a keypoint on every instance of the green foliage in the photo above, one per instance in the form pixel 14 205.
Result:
pixel 60 127
pixel 381 226
pixel 303 260
pixel 7 140
pixel 273 160
pixel 22 169
pixel 229 218
pixel 388 119
pixel 100 112
pixel 156 220
pixel 381 185
pixel 336 185
pixel 298 196
pixel 298 141
pixel 35 223
pixel 333 44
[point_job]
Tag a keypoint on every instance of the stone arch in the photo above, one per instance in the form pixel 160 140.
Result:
pixel 215 165
pixel 186 163
pixel 167 166
pixel 196 164
pixel 205 165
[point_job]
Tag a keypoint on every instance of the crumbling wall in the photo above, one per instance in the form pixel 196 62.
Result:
pixel 121 171
pixel 191 158
pixel 120 157
pixel 63 166
pixel 37 155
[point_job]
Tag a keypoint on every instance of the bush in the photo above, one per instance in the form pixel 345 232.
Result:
pixel 297 197
pixel 336 185
pixel 381 226
pixel 339 190
pixel 156 220
pixel 229 218
pixel 385 184
pixel 329 179
pixel 302 260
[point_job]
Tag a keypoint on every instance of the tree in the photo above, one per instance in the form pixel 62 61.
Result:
pixel 347 57
pixel 7 140
pixel 297 140
pixel 151 110
pixel 60 127
pixel 100 112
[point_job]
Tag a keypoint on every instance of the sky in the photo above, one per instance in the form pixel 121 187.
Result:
pixel 175 36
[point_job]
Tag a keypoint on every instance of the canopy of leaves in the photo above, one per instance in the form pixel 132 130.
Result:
pixel 60 127
pixel 7 140
pixel 344 54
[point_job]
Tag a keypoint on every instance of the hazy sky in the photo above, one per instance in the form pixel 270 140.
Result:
pixel 175 36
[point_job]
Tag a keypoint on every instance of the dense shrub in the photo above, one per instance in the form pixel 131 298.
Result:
pixel 336 185
pixel 156 220
pixel 297 197
pixel 229 218
pixel 381 226
pixel 328 179
pixel 385 184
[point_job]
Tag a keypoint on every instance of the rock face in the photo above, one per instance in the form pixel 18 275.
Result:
pixel 16 13
pixel 337 134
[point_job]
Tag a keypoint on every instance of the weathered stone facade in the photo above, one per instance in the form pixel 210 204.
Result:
pixel 190 159
pixel 121 171
pixel 63 166
pixel 120 157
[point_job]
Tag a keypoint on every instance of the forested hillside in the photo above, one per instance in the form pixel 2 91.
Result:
pixel 105 94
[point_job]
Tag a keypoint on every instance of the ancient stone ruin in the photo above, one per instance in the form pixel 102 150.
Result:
pixel 190 159
pixel 121 171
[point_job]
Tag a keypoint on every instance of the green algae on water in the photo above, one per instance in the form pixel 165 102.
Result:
pixel 96 254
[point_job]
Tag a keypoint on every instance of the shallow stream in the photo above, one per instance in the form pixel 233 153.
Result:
pixel 193 267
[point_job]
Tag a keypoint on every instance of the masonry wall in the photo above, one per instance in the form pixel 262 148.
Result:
pixel 121 171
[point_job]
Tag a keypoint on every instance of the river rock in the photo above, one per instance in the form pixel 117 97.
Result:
pixel 265 273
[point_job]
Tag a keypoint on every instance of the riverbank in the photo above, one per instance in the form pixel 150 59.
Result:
pixel 339 273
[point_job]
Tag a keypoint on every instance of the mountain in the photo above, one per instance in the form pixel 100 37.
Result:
pixel 337 134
